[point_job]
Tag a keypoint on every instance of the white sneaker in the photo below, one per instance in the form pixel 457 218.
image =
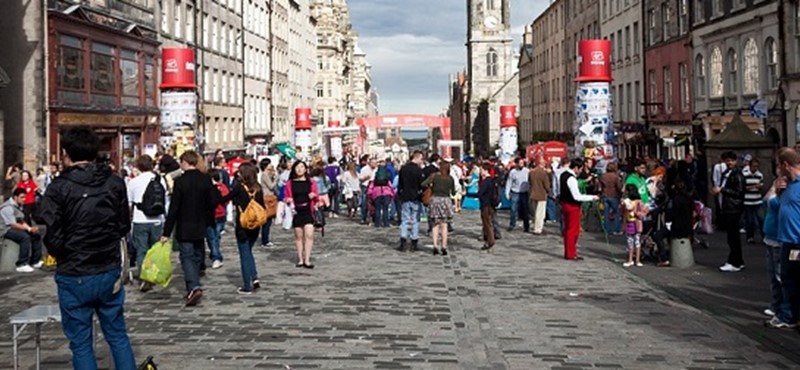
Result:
pixel 742 231
pixel 639 264
pixel 270 245
pixel 627 264
pixel 769 312
pixel 24 268
pixel 216 264
pixel 727 267
pixel 38 265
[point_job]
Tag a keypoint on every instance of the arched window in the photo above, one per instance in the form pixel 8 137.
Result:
pixel 700 74
pixel 491 63
pixel 771 53
pixel 733 72
pixel 715 72
pixel 750 67
pixel 490 4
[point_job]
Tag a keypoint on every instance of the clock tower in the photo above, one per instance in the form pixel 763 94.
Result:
pixel 489 65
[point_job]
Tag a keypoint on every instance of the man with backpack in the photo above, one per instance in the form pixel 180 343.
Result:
pixel 147 196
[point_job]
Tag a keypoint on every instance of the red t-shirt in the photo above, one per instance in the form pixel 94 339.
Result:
pixel 30 187
pixel 219 212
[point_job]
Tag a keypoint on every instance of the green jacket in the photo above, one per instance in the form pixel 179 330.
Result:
pixel 640 183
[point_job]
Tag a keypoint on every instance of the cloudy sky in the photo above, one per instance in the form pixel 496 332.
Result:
pixel 413 45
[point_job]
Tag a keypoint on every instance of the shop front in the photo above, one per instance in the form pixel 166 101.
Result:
pixel 102 75
pixel 122 137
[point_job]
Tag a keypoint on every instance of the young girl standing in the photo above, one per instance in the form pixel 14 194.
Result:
pixel 634 212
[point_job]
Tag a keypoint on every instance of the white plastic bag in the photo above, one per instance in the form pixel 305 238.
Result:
pixel 279 212
pixel 287 218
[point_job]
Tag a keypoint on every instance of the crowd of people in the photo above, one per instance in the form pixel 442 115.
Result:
pixel 82 209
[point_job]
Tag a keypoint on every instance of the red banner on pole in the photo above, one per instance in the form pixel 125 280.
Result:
pixel 302 119
pixel 508 116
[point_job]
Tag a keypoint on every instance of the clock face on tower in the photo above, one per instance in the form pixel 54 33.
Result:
pixel 490 22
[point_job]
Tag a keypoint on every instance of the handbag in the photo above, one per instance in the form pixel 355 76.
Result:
pixel 427 196
pixel 319 218
pixel 287 218
pixel 271 204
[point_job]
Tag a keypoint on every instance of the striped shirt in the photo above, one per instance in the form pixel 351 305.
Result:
pixel 753 197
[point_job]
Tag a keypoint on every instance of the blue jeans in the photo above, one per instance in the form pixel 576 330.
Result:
pixel 789 273
pixel 265 231
pixel 191 254
pixel 550 215
pixel 775 286
pixel 393 209
pixel 144 235
pixel 519 205
pixel 753 220
pixel 611 205
pixel 80 298
pixel 409 214
pixel 382 204
pixel 363 204
pixel 30 246
pixel 248 263
pixel 213 237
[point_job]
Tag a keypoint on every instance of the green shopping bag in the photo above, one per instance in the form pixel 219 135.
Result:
pixel 157 266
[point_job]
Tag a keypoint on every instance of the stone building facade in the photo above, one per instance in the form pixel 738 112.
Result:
pixel 736 54
pixel 282 114
pixel 527 76
pixel 257 68
pixel 789 60
pixel 582 20
pixel 490 62
pixel 553 88
pixel 620 23
pixel 335 52
pixel 302 56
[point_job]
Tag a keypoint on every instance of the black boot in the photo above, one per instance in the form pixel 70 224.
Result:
pixel 402 247
pixel 414 245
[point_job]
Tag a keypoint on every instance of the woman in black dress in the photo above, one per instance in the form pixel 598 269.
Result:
pixel 301 197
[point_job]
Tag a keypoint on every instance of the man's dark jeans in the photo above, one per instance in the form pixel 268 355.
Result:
pixel 731 223
pixel 30 246
pixel 789 272
pixel 191 254
pixel 81 297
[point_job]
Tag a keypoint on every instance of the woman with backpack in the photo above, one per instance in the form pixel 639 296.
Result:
pixel 247 198
pixel 301 196
pixel 440 210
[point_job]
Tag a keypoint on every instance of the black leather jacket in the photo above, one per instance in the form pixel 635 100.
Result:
pixel 733 193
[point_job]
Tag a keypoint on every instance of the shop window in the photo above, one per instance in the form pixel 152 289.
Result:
pixel 130 77
pixel 70 70
pixel 103 81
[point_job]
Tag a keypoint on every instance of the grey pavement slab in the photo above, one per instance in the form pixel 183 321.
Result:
pixel 366 306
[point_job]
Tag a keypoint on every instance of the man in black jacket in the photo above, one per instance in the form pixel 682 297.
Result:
pixel 191 212
pixel 732 191
pixel 409 187
pixel 86 213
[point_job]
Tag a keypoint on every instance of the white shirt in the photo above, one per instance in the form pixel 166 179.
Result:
pixel 517 181
pixel 572 185
pixel 136 188
pixel 368 173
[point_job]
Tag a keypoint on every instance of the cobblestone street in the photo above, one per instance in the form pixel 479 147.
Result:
pixel 366 306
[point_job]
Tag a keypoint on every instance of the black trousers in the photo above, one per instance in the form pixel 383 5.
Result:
pixel 731 223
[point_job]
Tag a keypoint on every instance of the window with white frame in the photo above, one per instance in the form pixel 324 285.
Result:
pixel 206 84
pixel 733 72
pixel 700 75
pixel 224 91
pixel 320 91
pixel 715 72
pixel 205 30
pixel 699 11
pixel 636 100
pixel 165 16
pixel 665 19
pixel 684 94
pixel 491 63
pixel 215 86
pixel 750 69
pixel 231 41
pixel 223 38
pixel 667 89
pixel 771 54
pixel 238 44
pixel 651 21
pixel 177 13
pixel 627 41
pixel 718 7
pixel 190 23
pixel 653 91
pixel 683 16
pixel 214 34
pixel 628 95
pixel 636 38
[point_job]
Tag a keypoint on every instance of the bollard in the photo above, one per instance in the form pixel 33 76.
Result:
pixel 9 254
pixel 681 254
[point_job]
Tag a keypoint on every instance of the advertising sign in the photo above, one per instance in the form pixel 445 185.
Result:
pixel 177 68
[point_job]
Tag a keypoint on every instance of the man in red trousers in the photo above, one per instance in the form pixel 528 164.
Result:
pixel 571 199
